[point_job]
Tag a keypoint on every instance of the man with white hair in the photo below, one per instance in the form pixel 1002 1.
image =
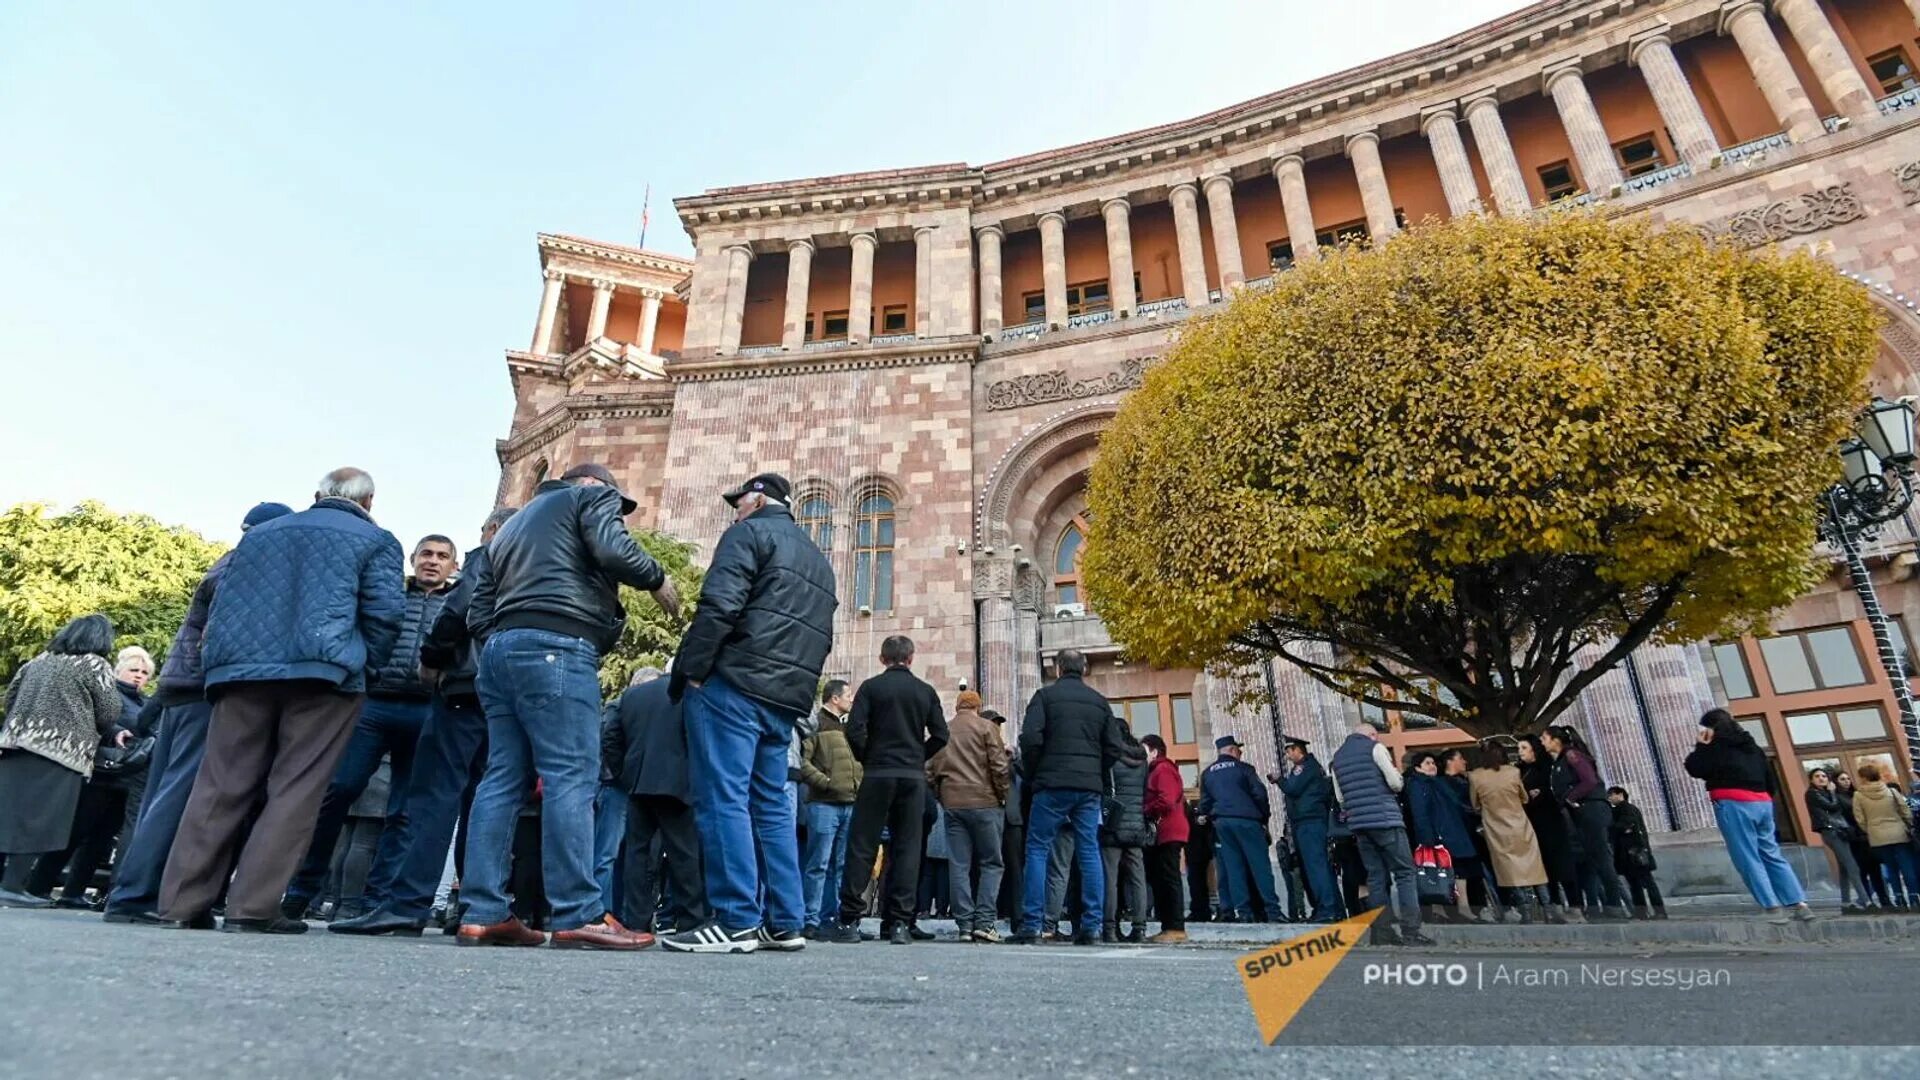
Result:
pixel 310 603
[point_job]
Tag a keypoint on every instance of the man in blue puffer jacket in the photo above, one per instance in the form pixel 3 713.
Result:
pixel 310 603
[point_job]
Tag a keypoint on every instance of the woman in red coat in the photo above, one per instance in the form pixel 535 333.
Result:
pixel 1166 809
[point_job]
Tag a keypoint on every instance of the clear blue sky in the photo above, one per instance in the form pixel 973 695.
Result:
pixel 243 243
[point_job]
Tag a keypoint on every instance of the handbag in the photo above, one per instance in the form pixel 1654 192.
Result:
pixel 112 762
pixel 1433 874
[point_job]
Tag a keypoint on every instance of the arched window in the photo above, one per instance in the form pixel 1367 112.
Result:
pixel 539 476
pixel 816 518
pixel 1066 561
pixel 873 552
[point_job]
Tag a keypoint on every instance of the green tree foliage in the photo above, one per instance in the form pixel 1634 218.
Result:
pixel 1462 456
pixel 55 567
pixel 652 635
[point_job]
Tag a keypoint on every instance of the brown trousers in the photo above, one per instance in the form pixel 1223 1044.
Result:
pixel 272 745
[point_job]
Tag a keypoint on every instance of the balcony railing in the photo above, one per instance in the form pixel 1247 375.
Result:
pixel 1833 123
pixel 1260 282
pixel 1656 178
pixel 1574 202
pixel 892 339
pixel 1905 99
pixel 759 350
pixel 1756 147
pixel 1023 332
pixel 1083 632
pixel 823 346
pixel 1089 318
pixel 1155 307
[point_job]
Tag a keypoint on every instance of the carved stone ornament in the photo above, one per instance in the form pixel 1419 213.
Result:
pixel 1809 212
pixel 1040 389
pixel 1908 177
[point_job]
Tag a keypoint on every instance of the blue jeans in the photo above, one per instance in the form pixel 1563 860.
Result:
pixel 737 750
pixel 609 829
pixel 1310 840
pixel 1899 864
pixel 1080 811
pixel 826 854
pixel 177 752
pixel 388 727
pixel 541 693
pixel 1242 845
pixel 408 879
pixel 1748 829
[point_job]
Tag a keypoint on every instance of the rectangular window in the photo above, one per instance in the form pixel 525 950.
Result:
pixel 1141 714
pixel 1809 728
pixel 1755 727
pixel 836 324
pixel 1835 659
pixel 1088 297
pixel 1787 665
pixel 1861 724
pixel 1892 71
pixel 1639 155
pixel 1813 660
pixel 893 318
pixel 1280 255
pixel 1182 719
pixel 1733 670
pixel 1036 303
pixel 1189 775
pixel 1374 715
pixel 1557 179
pixel 806 334
pixel 1346 232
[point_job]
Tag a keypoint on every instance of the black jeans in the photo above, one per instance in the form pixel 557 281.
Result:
pixel 1592 818
pixel 668 822
pixel 1389 863
pixel 1163 877
pixel 1641 884
pixel 96 825
pixel 896 805
pixel 1013 874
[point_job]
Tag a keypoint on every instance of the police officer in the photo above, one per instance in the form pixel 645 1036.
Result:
pixel 1235 801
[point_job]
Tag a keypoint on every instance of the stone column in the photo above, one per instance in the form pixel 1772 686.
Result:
pixel 1591 147
pixel 1496 154
pixel 1186 232
pixel 649 320
pixel 860 292
pixel 1053 265
pixel 1290 173
pixel 1828 58
pixel 992 309
pixel 549 312
pixel 1226 232
pixel 733 310
pixel 793 328
pixel 1442 127
pixel 1746 22
pixel 998 666
pixel 1119 255
pixel 1692 135
pixel 922 280
pixel 597 315
pixel 1364 151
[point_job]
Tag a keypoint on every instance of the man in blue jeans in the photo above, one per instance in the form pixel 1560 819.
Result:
pixel 1309 797
pixel 832 775
pixel 177 752
pixel 548 605
pixel 1069 743
pixel 747 668
pixel 1234 799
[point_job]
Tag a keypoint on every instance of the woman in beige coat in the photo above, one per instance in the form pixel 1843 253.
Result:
pixel 1512 850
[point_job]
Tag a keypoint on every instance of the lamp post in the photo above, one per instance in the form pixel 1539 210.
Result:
pixel 1877 487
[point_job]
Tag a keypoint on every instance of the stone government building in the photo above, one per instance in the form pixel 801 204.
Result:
pixel 931 354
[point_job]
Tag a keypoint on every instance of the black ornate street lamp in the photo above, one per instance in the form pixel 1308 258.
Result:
pixel 1877 487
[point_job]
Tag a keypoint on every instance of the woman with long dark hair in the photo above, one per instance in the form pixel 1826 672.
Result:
pixel 1576 783
pixel 60 704
pixel 1734 769
pixel 1833 820
pixel 1876 882
pixel 1551 829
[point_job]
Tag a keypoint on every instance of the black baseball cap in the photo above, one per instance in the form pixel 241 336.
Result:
pixel 605 476
pixel 772 485
pixel 1225 741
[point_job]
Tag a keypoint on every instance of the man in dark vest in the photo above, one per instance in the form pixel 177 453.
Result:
pixel 1364 780
pixel 1309 798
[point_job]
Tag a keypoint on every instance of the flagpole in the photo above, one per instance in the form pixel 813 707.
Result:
pixel 644 200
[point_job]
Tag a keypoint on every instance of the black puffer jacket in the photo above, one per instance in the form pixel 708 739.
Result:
pixel 449 647
pixel 1069 739
pixel 558 565
pixel 180 677
pixel 399 677
pixel 1124 820
pixel 765 620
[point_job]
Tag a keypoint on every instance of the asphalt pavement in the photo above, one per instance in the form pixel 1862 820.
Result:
pixel 79 999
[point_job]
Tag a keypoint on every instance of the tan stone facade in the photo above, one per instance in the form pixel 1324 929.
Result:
pixel 930 354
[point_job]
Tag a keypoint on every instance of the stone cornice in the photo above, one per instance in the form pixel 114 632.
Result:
pixel 934 185
pixel 614 253
pixel 960 350
pixel 561 418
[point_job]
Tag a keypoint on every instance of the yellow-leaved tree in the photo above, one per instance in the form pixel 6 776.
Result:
pixel 1460 457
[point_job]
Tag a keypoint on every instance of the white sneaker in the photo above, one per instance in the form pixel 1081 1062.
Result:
pixel 782 940
pixel 712 938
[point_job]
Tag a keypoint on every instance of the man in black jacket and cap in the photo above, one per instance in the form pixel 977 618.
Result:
pixel 548 605
pixel 896 725
pixel 647 745
pixel 748 667
pixel 413 847
pixel 1308 792
pixel 1068 745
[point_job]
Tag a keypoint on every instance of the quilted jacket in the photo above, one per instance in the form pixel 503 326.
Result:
pixel 314 595
pixel 181 675
pixel 399 677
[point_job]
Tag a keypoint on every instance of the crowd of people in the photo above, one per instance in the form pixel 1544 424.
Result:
pixel 331 736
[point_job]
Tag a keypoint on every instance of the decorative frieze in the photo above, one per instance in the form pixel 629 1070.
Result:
pixel 1908 177
pixel 1024 390
pixel 1809 212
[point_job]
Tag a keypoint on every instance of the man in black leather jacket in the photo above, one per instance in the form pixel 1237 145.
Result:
pixel 413 848
pixel 389 727
pixel 548 605
pixel 748 668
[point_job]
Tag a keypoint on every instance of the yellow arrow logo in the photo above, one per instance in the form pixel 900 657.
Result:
pixel 1281 979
